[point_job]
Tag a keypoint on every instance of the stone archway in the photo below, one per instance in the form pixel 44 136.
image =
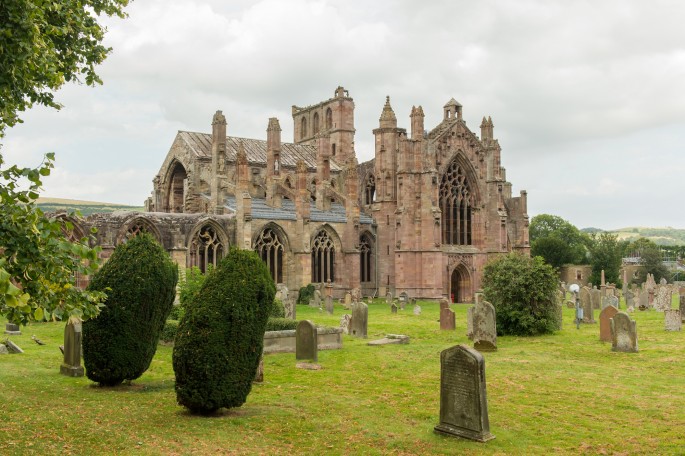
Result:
pixel 176 192
pixel 460 284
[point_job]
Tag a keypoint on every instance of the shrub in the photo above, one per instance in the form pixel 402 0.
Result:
pixel 169 331
pixel 306 293
pixel 176 313
pixel 191 284
pixel 523 291
pixel 140 281
pixel 221 336
pixel 277 309
pixel 281 324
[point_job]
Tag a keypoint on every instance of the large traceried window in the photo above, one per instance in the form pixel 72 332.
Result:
pixel 365 259
pixel 456 202
pixel 323 258
pixel 206 248
pixel 370 189
pixel 270 249
pixel 137 227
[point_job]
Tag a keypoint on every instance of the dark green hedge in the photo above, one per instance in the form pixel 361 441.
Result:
pixel 169 331
pixel 220 338
pixel 140 282
pixel 281 324
pixel 306 293
pixel 277 309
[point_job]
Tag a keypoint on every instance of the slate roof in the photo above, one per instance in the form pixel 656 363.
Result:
pixel 201 145
pixel 260 210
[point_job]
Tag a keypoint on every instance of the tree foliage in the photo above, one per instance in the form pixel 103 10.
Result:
pixel 606 253
pixel 44 44
pixel 39 265
pixel 523 291
pixel 140 279
pixel 651 259
pixel 557 241
pixel 220 337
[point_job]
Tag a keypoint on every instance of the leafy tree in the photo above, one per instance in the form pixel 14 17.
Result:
pixel 523 291
pixel 651 258
pixel 220 338
pixel 557 240
pixel 606 253
pixel 43 45
pixel 39 265
pixel 141 281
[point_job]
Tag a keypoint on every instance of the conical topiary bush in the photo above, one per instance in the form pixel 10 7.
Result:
pixel 140 282
pixel 221 336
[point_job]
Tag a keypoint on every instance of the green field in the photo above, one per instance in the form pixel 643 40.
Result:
pixel 85 208
pixel 566 393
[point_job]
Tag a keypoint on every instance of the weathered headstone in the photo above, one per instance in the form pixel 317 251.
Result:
pixel 403 297
pixel 305 341
pixel 630 298
pixel 596 297
pixel 345 323
pixel 469 322
pixel 12 347
pixel 663 298
pixel 290 307
pixel 605 317
pixel 643 300
pixel 447 317
pixel 444 304
pixel 623 333
pixel 281 292
pixel 348 300
pixel 391 339
pixel 586 304
pixel 12 329
pixel 393 308
pixel 663 281
pixel 484 327
pixel 417 309
pixel 388 298
pixel 317 298
pixel 71 366
pixel 360 318
pixel 463 398
pixel 672 320
pixel 329 305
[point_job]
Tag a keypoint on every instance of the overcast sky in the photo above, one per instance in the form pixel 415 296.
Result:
pixel 587 97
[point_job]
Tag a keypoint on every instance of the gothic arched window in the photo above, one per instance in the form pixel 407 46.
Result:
pixel 315 123
pixel 206 248
pixel 329 119
pixel 270 249
pixel 370 189
pixel 137 227
pixel 323 258
pixel 456 202
pixel 365 257
pixel 303 128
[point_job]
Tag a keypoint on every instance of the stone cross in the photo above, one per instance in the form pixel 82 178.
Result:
pixel 71 366
pixel 463 398
pixel 306 347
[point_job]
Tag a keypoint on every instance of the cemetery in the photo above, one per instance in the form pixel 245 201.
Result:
pixel 542 395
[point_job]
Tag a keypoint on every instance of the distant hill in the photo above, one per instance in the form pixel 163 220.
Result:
pixel 84 207
pixel 660 236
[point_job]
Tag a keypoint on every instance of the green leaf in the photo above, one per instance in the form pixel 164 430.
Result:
pixel 38 314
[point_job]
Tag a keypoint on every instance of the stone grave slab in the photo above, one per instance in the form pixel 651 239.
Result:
pixel 672 320
pixel 605 317
pixel 391 339
pixel 623 333
pixel 360 319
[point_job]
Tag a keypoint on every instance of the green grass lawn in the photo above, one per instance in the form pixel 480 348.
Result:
pixel 562 394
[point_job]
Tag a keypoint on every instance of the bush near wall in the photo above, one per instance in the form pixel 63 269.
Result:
pixel 140 282
pixel 221 336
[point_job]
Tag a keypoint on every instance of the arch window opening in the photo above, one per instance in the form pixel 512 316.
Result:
pixel 323 258
pixel 370 190
pixel 456 202
pixel 303 128
pixel 177 189
pixel 329 121
pixel 365 259
pixel 206 248
pixel 270 249
pixel 315 123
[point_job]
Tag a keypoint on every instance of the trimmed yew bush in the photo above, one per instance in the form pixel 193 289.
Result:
pixel 523 291
pixel 140 282
pixel 221 336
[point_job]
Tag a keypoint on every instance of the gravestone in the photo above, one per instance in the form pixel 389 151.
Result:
pixel 12 347
pixel 605 317
pixel 586 304
pixel 3 349
pixel 388 298
pixel 71 366
pixel 404 297
pixel 281 292
pixel 306 347
pixel 345 323
pixel 12 329
pixel 613 300
pixel 317 298
pixel 469 322
pixel 623 333
pixel 663 281
pixel 444 304
pixel 630 298
pixel 672 320
pixel 643 300
pixel 329 305
pixel 663 298
pixel 596 298
pixel 417 309
pixel 463 398
pixel 290 307
pixel 359 322
pixel 393 308
pixel 447 318
pixel 348 300
pixel 484 327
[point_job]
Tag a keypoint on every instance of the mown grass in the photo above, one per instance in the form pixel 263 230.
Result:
pixel 562 394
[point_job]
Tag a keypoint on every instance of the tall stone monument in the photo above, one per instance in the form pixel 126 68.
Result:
pixel 463 399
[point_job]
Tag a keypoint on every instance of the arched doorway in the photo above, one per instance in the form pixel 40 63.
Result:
pixel 460 285
pixel 177 187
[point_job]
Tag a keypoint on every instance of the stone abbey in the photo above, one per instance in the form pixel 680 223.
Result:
pixel 422 217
